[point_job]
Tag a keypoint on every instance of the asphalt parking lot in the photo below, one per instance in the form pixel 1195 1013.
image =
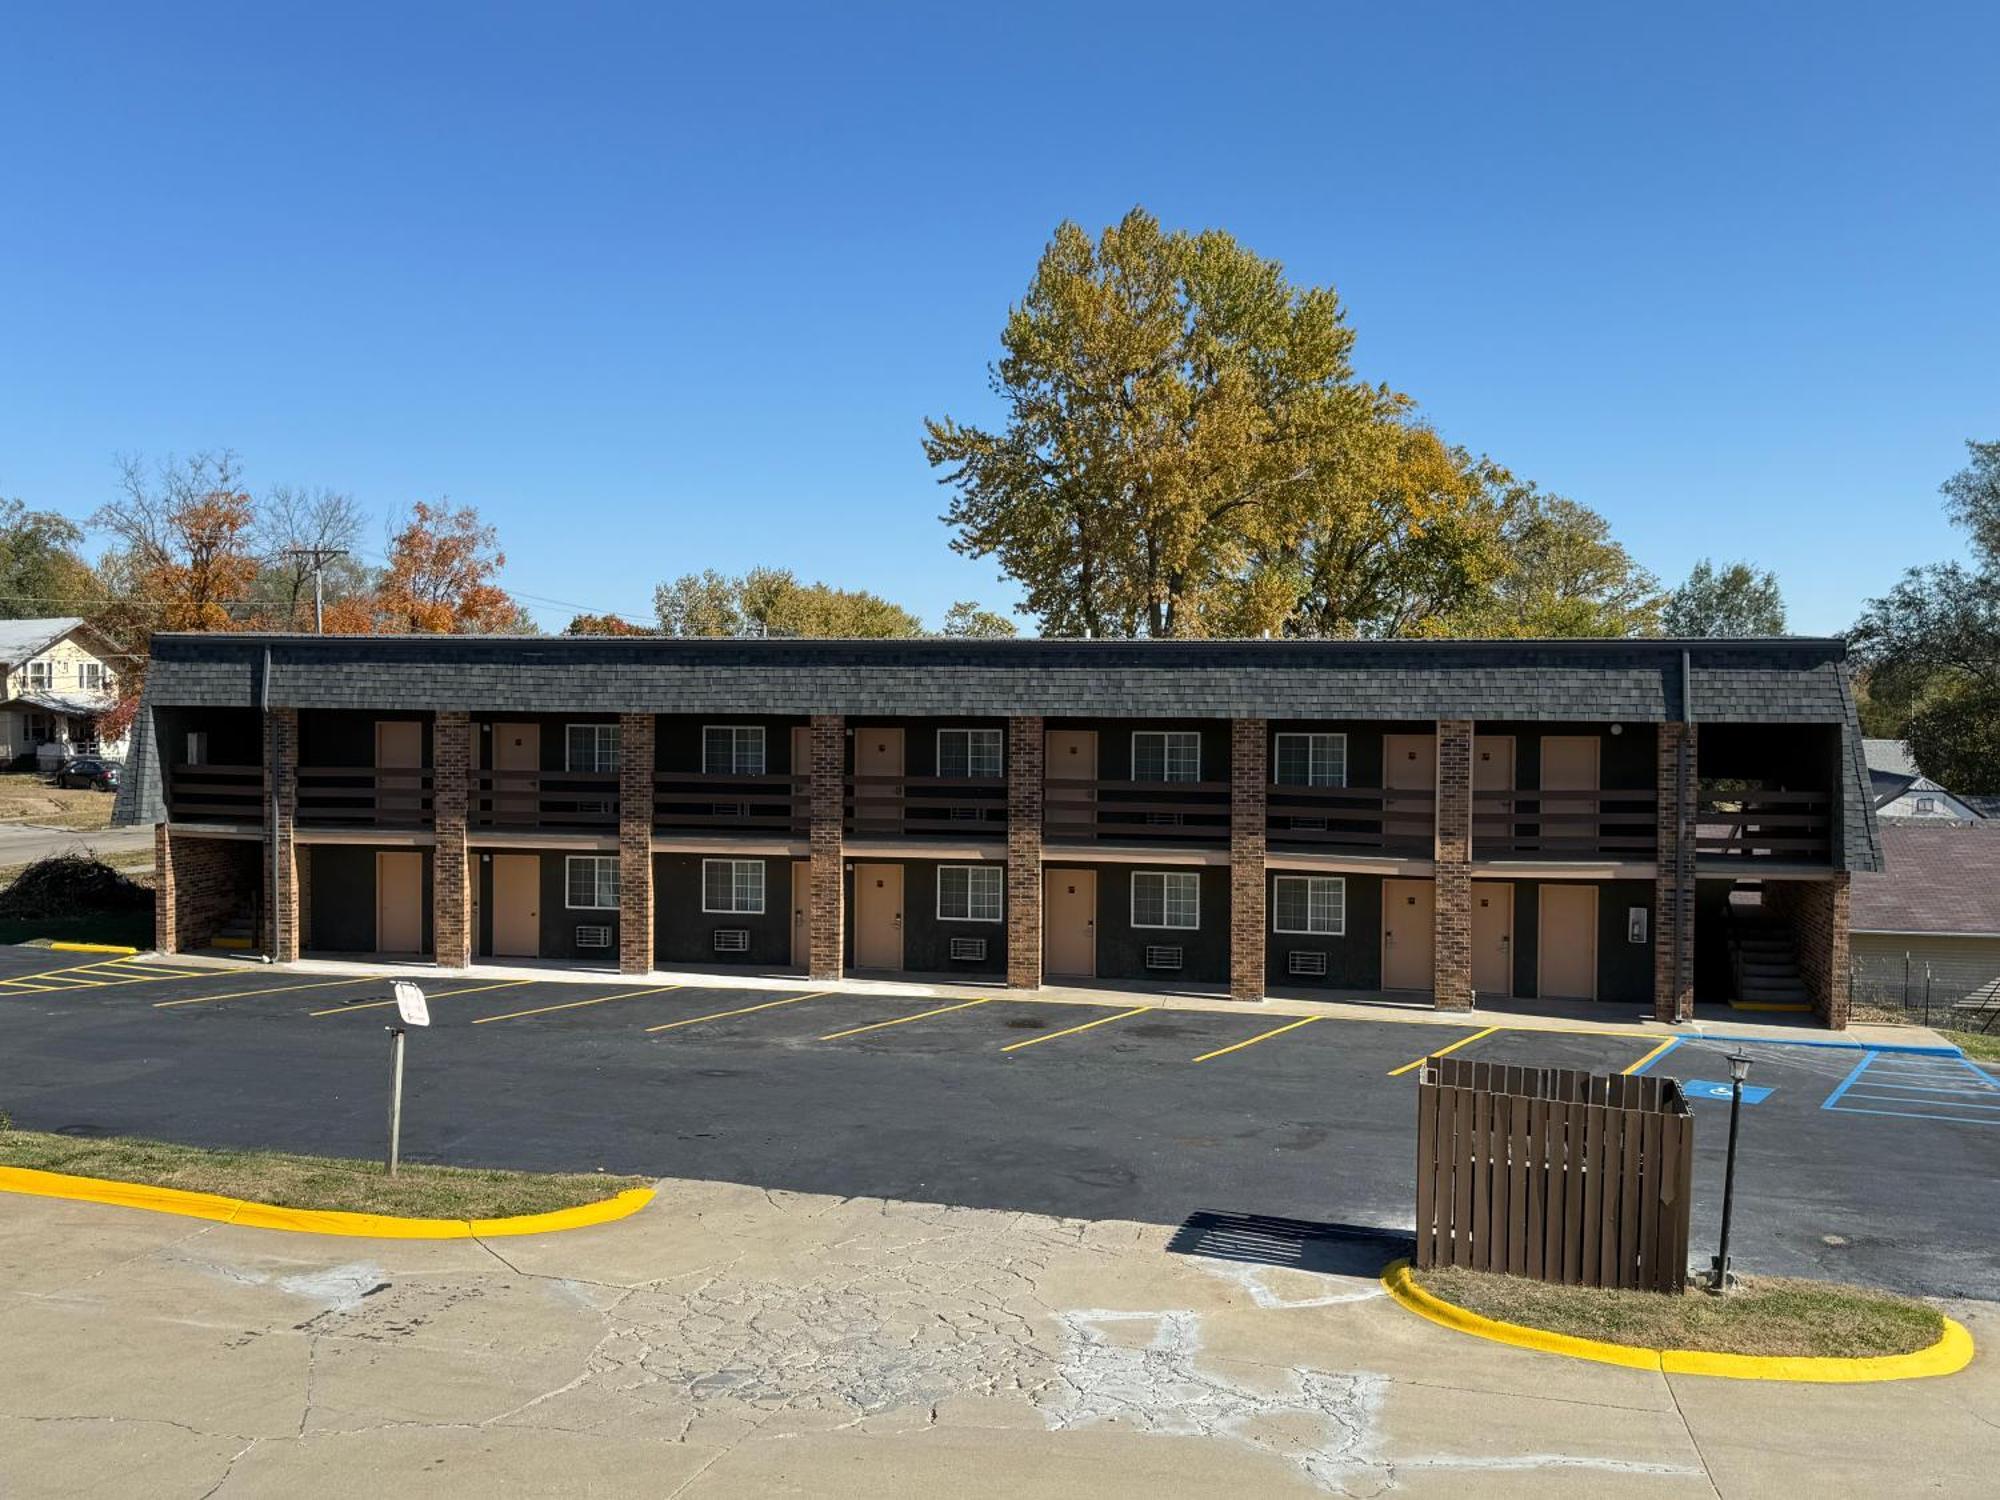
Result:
pixel 1880 1167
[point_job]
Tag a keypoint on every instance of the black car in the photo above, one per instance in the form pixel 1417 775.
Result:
pixel 88 771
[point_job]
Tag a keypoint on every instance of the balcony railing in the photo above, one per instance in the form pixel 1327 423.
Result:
pixel 897 806
pixel 730 804
pixel 1530 824
pixel 215 794
pixel 551 801
pixel 1127 811
pixel 366 796
pixel 1781 827
pixel 1358 819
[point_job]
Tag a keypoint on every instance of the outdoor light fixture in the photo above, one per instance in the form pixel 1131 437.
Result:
pixel 1739 1069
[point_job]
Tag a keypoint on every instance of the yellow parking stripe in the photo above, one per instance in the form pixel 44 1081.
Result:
pixel 274 989
pixel 1651 1055
pixel 1262 1036
pixel 1463 1041
pixel 834 1036
pixel 477 989
pixel 75 983
pixel 1073 1030
pixel 34 982
pixel 723 1015
pixel 542 1010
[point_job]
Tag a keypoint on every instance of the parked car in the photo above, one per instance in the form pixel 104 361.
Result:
pixel 89 772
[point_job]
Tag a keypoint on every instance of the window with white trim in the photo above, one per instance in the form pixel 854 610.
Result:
pixel 590 882
pixel 590 747
pixel 39 674
pixel 1309 760
pixel 1314 904
pixel 1166 755
pixel 969 893
pixel 734 750
pixel 91 674
pixel 733 885
pixel 965 753
pixel 1166 898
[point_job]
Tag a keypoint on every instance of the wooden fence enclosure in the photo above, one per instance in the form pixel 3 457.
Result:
pixel 1554 1173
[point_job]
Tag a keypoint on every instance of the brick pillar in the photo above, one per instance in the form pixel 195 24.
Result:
pixel 1452 943
pixel 281 778
pixel 1817 913
pixel 1027 755
pixel 1249 774
pixel 451 871
pixel 1673 879
pixel 825 921
pixel 635 843
pixel 166 936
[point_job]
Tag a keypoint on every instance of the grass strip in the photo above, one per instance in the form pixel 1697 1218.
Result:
pixel 1975 1044
pixel 1766 1315
pixel 417 1191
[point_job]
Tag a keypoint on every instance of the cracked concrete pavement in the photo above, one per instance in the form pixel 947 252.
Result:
pixel 732 1341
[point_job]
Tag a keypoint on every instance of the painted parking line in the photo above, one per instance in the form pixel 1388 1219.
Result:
pixel 1917 1088
pixel 93 975
pixel 1654 1056
pixel 1262 1036
pixel 741 1010
pixel 922 1015
pixel 274 989
pixel 543 1010
pixel 1464 1041
pixel 477 989
pixel 1035 1041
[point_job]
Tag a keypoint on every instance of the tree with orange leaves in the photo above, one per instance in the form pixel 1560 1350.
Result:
pixel 442 564
pixel 185 532
pixel 588 624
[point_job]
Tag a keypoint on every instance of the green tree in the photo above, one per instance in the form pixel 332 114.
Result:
pixel 966 618
pixel 1563 575
pixel 772 601
pixel 1738 600
pixel 698 604
pixel 41 572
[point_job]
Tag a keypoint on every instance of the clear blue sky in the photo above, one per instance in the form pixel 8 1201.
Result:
pixel 662 287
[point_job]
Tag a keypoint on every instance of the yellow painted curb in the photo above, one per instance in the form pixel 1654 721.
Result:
pixel 165 1200
pixel 118 948
pixel 1950 1354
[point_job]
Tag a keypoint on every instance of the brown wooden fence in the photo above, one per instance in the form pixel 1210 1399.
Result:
pixel 1554 1173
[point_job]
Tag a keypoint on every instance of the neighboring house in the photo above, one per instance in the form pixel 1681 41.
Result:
pixel 1929 919
pixel 1905 794
pixel 60 679
pixel 1433 819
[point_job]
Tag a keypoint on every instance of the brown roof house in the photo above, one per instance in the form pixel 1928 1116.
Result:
pixel 1925 928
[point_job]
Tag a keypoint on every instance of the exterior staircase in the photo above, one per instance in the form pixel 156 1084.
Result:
pixel 1766 965
pixel 239 933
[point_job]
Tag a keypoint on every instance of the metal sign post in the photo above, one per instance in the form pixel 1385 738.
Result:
pixel 412 1011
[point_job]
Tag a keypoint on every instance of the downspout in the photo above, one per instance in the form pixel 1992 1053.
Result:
pixel 1684 837
pixel 271 759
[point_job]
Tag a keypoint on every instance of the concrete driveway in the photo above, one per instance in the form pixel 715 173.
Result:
pixel 24 843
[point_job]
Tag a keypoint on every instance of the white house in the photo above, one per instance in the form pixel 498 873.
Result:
pixel 1905 794
pixel 60 678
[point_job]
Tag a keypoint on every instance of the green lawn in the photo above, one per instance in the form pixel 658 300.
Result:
pixel 1975 1044
pixel 131 929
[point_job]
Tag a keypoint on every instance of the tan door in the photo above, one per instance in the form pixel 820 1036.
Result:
pixel 1492 772
pixel 878 807
pixel 878 916
pixel 1069 923
pixel 1492 937
pixel 1568 942
pixel 1070 768
pixel 517 905
pixel 1569 764
pixel 516 800
pixel 1409 764
pixel 399 902
pixel 517 747
pixel 1493 763
pixel 1409 930
pixel 801 918
pixel 399 744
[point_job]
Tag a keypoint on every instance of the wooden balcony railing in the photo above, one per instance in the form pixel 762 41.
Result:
pixel 1127 811
pixel 897 806
pixel 554 801
pixel 1365 820
pixel 1530 824
pixel 1783 827
pixel 216 794
pixel 696 803
pixel 367 796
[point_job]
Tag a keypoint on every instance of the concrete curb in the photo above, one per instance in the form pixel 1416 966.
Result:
pixel 118 948
pixel 1950 1354
pixel 240 1211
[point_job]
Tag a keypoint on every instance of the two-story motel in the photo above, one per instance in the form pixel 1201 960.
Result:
pixel 1555 819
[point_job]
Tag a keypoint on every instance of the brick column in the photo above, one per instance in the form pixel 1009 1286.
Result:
pixel 635 843
pixel 1673 878
pixel 1027 756
pixel 825 921
pixel 1249 774
pixel 166 931
pixel 1452 942
pixel 281 778
pixel 1817 913
pixel 451 872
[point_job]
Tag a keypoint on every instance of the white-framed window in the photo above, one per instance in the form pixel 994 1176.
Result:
pixel 39 674
pixel 734 750
pixel 197 747
pixel 590 747
pixel 1309 760
pixel 590 882
pixel 964 753
pixel 1926 804
pixel 733 885
pixel 969 893
pixel 1166 755
pixel 1315 904
pixel 91 674
pixel 1166 898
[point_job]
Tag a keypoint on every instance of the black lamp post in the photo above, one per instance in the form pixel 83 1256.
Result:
pixel 1739 1069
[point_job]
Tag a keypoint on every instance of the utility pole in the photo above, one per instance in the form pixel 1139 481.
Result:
pixel 319 557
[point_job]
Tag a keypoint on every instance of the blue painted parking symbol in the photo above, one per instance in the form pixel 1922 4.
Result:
pixel 1703 1088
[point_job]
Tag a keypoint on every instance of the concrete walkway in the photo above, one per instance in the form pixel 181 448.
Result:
pixel 731 1342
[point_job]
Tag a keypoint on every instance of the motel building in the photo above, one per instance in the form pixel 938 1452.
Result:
pixel 1573 820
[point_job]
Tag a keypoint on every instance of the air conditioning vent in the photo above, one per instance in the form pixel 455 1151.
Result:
pixel 729 810
pixel 1164 819
pixel 1310 963
pixel 1315 825
pixel 1163 956
pixel 962 814
pixel 732 940
pixel 593 937
pixel 968 950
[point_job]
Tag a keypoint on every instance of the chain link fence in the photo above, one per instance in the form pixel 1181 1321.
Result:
pixel 1959 994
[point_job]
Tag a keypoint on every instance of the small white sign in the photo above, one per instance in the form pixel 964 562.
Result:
pixel 410 1004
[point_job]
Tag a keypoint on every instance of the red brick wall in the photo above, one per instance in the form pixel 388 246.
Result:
pixel 202 883
pixel 1452 947
pixel 1673 881
pixel 281 771
pixel 826 917
pixel 635 843
pixel 1249 774
pixel 1817 913
pixel 451 875
pixel 1027 754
